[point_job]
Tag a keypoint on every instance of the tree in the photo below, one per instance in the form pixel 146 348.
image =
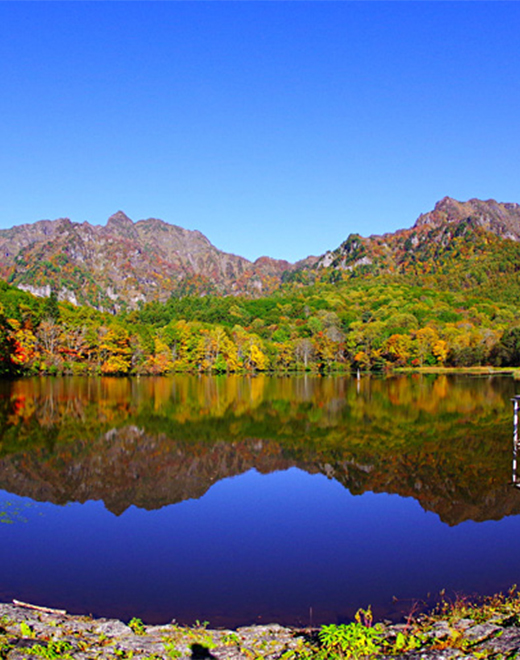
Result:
pixel 325 349
pixel 507 352
pixel 440 350
pixel 424 341
pixel 398 349
pixel 161 362
pixel 7 346
pixel 116 352
pixel 304 351
pixel 51 308
pixel 24 345
pixel 48 342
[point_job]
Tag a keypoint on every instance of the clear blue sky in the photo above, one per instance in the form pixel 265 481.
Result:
pixel 273 127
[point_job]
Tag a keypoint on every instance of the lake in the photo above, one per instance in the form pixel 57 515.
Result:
pixel 242 500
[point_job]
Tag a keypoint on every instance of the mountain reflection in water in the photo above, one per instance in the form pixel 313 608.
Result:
pixel 156 441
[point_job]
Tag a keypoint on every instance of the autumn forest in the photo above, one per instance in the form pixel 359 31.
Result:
pixel 367 325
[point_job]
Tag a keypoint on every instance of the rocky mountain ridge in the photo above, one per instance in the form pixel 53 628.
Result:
pixel 126 263
pixel 432 236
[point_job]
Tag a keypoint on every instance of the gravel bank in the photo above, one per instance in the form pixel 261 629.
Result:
pixel 28 634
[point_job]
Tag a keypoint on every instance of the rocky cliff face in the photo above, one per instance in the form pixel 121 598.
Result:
pixel 503 220
pixel 435 236
pixel 126 262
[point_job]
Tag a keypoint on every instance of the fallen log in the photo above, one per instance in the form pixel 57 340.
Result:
pixel 40 608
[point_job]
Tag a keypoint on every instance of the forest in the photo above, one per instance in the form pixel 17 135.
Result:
pixel 366 322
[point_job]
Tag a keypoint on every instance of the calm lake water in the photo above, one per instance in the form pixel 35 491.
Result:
pixel 239 500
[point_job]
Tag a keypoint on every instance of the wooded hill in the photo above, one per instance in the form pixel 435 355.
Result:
pixel 444 292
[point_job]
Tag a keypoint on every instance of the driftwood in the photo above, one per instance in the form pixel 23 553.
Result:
pixel 40 608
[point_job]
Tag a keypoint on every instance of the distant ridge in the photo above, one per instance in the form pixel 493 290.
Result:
pixel 431 239
pixel 126 263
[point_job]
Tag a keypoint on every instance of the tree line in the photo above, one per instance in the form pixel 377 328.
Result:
pixel 323 328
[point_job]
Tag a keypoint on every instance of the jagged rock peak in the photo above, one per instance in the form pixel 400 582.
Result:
pixel 446 210
pixel 497 217
pixel 448 204
pixel 119 219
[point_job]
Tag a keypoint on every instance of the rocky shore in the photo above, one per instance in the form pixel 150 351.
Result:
pixel 461 630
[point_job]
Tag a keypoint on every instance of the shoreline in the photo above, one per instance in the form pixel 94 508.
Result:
pixel 514 372
pixel 460 629
pixel 480 370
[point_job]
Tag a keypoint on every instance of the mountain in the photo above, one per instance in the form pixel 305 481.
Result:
pixel 453 229
pixel 458 245
pixel 126 262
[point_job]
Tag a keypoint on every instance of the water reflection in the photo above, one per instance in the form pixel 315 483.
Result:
pixel 156 441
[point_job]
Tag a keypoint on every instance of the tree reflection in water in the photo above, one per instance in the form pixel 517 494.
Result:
pixel 156 441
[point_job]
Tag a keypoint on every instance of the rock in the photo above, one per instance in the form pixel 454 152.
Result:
pixel 140 644
pixel 111 628
pixel 108 639
pixel 158 630
pixel 506 644
pixel 481 632
pixel 464 624
pixel 20 654
pixel 441 630
pixel 26 642
pixel 433 654
pixel 505 620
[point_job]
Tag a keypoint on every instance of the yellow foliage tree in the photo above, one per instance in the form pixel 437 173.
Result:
pixel 116 352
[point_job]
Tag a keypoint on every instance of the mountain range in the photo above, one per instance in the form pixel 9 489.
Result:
pixel 125 263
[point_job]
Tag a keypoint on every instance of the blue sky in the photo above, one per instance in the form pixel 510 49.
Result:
pixel 273 127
